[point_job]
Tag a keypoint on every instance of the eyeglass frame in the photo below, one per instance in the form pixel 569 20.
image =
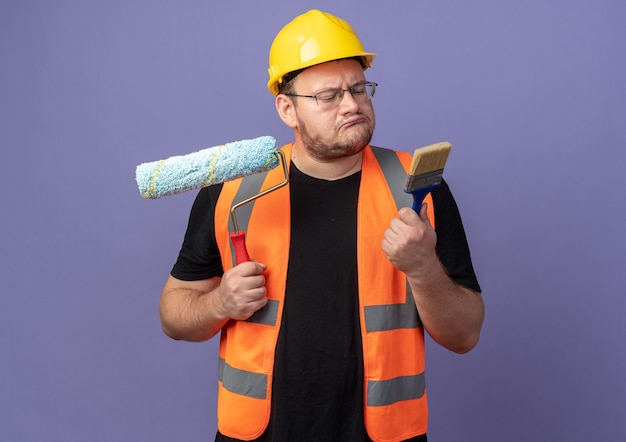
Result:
pixel 340 93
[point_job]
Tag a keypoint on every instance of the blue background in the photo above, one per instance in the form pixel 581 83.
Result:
pixel 531 94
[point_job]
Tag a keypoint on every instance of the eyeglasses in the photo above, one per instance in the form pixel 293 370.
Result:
pixel 331 98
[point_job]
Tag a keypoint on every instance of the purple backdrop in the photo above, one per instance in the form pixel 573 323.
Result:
pixel 531 94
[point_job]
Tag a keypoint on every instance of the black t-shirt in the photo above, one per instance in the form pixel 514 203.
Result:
pixel 318 374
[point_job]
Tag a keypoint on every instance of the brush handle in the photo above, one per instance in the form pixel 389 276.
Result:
pixel 239 242
pixel 419 195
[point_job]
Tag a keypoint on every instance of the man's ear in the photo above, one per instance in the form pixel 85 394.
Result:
pixel 286 110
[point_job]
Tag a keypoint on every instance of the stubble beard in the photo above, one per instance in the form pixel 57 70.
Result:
pixel 324 151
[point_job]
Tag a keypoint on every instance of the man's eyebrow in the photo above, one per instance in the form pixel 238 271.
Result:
pixel 358 83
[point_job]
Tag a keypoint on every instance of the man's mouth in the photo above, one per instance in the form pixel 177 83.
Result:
pixel 353 122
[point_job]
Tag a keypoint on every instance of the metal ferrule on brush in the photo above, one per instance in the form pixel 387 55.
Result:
pixel 427 179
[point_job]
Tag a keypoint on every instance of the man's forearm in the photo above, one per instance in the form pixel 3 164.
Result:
pixel 190 313
pixel 452 314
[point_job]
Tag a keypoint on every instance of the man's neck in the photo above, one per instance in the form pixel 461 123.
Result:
pixel 326 169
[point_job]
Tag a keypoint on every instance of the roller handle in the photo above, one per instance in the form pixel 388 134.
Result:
pixel 239 242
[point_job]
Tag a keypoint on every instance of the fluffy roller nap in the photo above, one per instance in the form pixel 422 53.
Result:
pixel 206 167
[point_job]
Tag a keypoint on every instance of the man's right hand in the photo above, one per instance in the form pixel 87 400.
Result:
pixel 242 290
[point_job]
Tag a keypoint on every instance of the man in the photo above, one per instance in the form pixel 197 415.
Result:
pixel 322 332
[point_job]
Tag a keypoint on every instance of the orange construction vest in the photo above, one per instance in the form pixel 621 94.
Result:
pixel 392 334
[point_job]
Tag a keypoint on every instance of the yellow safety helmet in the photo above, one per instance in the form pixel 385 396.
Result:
pixel 312 38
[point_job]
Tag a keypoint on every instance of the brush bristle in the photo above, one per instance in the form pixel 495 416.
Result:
pixel 430 158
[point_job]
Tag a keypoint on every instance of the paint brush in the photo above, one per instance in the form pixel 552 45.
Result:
pixel 426 171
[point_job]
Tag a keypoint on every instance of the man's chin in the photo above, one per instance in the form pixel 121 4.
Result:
pixel 347 144
pixel 357 144
pixel 347 150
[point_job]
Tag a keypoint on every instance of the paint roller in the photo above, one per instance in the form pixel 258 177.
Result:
pixel 211 166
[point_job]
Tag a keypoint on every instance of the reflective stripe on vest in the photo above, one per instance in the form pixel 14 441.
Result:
pixel 392 316
pixel 249 187
pixel 403 388
pixel 242 382
pixel 392 334
pixel 389 317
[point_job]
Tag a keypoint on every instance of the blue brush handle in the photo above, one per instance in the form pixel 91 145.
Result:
pixel 419 195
